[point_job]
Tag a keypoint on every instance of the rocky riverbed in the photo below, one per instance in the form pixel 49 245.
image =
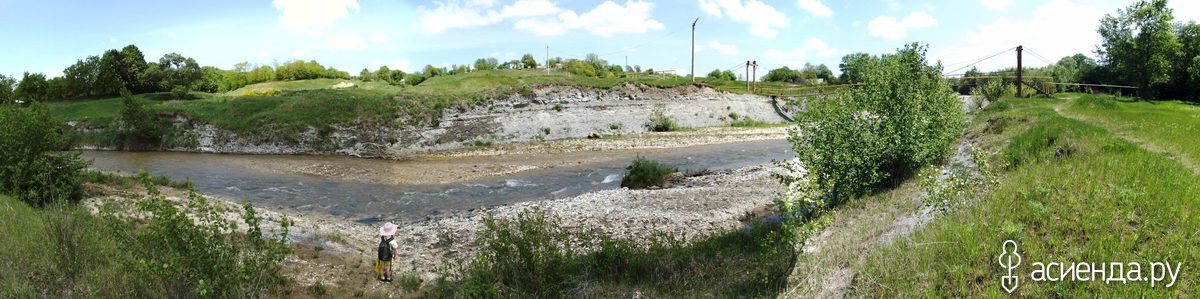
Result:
pixel 693 206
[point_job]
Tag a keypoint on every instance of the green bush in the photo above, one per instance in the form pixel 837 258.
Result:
pixel 993 90
pixel 660 122
pixel 198 251
pixel 645 173
pixel 533 256
pixel 33 164
pixel 137 127
pixel 581 68
pixel 902 118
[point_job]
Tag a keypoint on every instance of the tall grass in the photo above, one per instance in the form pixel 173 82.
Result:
pixel 1072 193
pixel 645 173
pixel 533 256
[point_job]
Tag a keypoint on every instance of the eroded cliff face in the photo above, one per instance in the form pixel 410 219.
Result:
pixel 547 113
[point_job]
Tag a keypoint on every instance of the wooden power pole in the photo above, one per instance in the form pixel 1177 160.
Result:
pixel 754 74
pixel 1019 82
pixel 694 48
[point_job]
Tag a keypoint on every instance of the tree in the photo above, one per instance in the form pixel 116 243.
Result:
pixel 1184 65
pixel 35 164
pixel 484 64
pixel 527 61
pixel 1138 43
pixel 6 89
pixel 32 87
pixel 180 73
pixel 783 74
pixel 902 119
pixel 722 75
pixel 431 71
pixel 383 74
pixel 364 75
pixel 853 66
pixel 137 128
pixel 133 62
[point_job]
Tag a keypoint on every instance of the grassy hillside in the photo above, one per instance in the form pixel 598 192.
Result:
pixel 1071 192
pixel 312 84
pixel 300 105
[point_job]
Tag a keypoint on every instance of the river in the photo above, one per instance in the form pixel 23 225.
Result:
pixel 251 178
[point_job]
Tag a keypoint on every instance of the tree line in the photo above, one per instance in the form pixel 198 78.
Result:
pixel 107 74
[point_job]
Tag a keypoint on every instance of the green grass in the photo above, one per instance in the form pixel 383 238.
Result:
pixel 1167 126
pixel 534 257
pixel 645 173
pixel 1072 192
pixel 63 250
pixel 313 84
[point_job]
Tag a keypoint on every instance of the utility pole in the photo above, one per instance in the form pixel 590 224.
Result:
pixel 694 48
pixel 1019 49
pixel 547 60
pixel 754 74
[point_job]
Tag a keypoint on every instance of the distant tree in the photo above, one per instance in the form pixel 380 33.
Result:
pixel 527 61
pixel 853 66
pixel 397 77
pixel 783 74
pixel 1185 67
pixel 595 61
pixel 133 62
pixel 137 128
pixel 431 71
pixel 722 75
pixel 32 87
pixel 364 75
pixel 180 73
pixel 7 84
pixel 414 78
pixel 484 64
pixel 383 74
pixel 822 72
pixel 580 68
pixel 1138 43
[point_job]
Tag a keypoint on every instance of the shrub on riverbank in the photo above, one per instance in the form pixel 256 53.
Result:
pixel 533 256
pixel 644 173
pixel 902 118
pixel 65 251
pixel 32 164
pixel 660 122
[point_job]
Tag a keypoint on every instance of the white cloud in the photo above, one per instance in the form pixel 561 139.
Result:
pixel 541 17
pixel 378 37
pixel 891 29
pixel 172 35
pixel 346 42
pixel 457 14
pixel 529 8
pixel 820 47
pixel 1057 29
pixel 609 18
pixel 996 5
pixel 798 56
pixel 723 49
pixel 764 20
pixel 815 7
pixel 312 14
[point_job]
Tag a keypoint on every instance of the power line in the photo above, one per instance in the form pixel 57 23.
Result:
pixel 981 60
pixel 1039 56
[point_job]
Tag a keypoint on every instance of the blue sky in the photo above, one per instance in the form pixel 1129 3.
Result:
pixel 48 35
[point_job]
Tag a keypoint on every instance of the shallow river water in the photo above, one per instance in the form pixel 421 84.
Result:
pixel 238 177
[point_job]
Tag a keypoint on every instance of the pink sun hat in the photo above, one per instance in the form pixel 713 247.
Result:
pixel 388 229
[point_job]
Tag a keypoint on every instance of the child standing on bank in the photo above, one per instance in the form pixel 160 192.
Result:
pixel 387 251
